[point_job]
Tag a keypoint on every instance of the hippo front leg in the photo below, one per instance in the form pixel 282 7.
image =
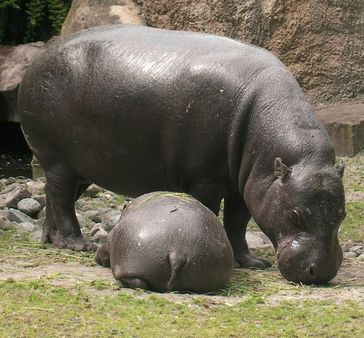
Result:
pixel 236 218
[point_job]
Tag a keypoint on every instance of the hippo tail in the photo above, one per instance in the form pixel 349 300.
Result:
pixel 176 263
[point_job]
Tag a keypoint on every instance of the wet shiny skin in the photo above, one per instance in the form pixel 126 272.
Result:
pixel 137 109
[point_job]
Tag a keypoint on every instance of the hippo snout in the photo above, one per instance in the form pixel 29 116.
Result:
pixel 309 261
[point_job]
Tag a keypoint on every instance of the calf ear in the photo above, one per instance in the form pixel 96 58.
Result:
pixel 281 170
pixel 340 167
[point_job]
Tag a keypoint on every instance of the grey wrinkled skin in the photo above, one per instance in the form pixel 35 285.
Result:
pixel 168 242
pixel 136 109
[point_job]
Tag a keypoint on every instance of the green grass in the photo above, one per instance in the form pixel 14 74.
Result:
pixel 354 174
pixel 99 308
pixel 44 307
pixel 34 309
pixel 353 225
pixel 15 247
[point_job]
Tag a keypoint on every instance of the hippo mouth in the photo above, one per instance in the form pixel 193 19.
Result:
pixel 301 261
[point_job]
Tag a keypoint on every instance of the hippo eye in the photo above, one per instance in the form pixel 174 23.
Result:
pixel 296 217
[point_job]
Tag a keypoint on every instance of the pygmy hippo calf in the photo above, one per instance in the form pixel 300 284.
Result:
pixel 168 242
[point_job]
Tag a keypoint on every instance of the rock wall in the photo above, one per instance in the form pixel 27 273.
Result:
pixel 90 13
pixel 320 40
pixel 14 60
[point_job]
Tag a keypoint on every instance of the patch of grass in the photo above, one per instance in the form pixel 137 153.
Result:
pixel 354 174
pixel 33 309
pixel 17 246
pixel 353 225
pixel 121 199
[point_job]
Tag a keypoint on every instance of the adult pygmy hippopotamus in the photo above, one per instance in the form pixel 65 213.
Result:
pixel 168 242
pixel 137 109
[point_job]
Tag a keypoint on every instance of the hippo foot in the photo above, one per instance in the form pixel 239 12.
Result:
pixel 248 260
pixel 72 243
pixel 135 283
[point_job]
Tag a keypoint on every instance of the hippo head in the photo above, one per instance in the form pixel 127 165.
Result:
pixel 301 213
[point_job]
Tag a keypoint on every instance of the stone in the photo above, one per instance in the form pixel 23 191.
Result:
pixel 93 190
pixel 101 236
pixel 92 215
pixel 96 228
pixel 26 226
pixel 14 60
pixel 328 30
pixel 18 217
pixel 345 124
pixel 350 254
pixel 89 13
pixel 42 213
pixel 358 249
pixel 257 239
pixel 11 198
pixel 361 257
pixel 81 220
pixel 41 199
pixel 9 181
pixel 110 218
pixel 29 206
pixel 36 187
pixel 4 214
pixel 5 224
pixel 39 222
pixel 347 245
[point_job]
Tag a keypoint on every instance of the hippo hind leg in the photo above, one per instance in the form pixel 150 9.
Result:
pixel 61 225
pixel 236 218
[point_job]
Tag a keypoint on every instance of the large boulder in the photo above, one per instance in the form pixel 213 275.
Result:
pixel 345 125
pixel 320 41
pixel 90 13
pixel 14 60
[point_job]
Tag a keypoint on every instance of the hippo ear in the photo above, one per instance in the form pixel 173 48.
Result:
pixel 281 170
pixel 340 168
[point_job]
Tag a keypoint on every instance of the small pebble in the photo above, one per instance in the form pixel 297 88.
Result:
pixel 40 221
pixel 358 249
pixel 96 228
pixel 36 187
pixel 81 220
pixel 361 257
pixel 350 254
pixel 29 206
pixel 18 217
pixel 110 218
pixel 41 199
pixel 27 226
pixel 93 215
pixel 42 213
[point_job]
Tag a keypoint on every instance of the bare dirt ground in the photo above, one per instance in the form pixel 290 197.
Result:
pixel 347 285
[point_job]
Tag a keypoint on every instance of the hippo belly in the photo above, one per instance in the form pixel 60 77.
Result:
pixel 168 242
